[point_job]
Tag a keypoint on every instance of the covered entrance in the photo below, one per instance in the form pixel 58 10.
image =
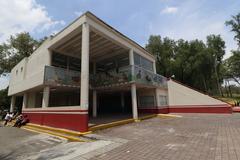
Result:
pixel 112 105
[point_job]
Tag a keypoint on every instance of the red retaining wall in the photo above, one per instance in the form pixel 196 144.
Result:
pixel 200 109
pixel 189 109
pixel 154 110
pixel 76 120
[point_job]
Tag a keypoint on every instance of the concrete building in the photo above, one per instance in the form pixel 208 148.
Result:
pixel 90 70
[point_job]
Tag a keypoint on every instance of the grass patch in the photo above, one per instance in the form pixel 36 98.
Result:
pixel 231 100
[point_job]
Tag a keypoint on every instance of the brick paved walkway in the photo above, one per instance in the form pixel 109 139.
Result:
pixel 192 137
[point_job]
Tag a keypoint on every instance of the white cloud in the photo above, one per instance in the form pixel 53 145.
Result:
pixel 195 23
pixel 169 10
pixel 4 82
pixel 78 13
pixel 24 15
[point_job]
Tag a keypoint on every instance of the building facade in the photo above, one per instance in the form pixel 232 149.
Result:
pixel 85 71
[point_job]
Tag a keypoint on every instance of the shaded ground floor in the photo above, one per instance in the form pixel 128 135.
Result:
pixel 193 136
pixel 59 106
pixel 105 105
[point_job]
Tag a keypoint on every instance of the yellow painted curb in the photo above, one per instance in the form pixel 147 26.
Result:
pixel 137 120
pixel 121 122
pixel 112 124
pixel 148 116
pixel 71 138
pixel 168 115
pixel 59 130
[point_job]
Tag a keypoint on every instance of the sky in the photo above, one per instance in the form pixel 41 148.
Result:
pixel 137 19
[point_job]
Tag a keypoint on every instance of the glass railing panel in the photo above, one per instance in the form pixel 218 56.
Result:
pixel 60 76
pixel 122 75
pixel 144 76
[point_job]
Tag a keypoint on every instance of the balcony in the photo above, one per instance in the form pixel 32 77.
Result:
pixel 111 78
pixel 143 76
pixel 62 77
pixel 56 76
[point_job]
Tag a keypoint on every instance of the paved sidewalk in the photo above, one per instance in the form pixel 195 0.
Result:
pixel 192 137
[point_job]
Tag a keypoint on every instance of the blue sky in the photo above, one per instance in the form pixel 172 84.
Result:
pixel 187 19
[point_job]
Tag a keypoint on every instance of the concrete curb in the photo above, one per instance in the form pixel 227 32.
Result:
pixel 168 115
pixel 59 130
pixel 68 137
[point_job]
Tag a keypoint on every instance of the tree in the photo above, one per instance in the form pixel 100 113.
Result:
pixel 163 50
pixel 233 66
pixel 235 25
pixel 15 49
pixel 216 47
pixel 4 99
pixel 191 62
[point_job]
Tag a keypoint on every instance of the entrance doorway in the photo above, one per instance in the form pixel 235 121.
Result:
pixel 112 106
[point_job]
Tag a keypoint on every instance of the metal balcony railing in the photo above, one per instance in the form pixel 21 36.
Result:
pixel 124 75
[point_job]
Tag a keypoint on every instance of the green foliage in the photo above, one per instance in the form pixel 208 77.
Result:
pixel 191 62
pixel 12 52
pixel 235 25
pixel 163 50
pixel 15 49
pixel 4 99
pixel 232 65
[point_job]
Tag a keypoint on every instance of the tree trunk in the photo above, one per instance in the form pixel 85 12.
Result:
pixel 229 88
pixel 204 83
pixel 218 85
pixel 226 89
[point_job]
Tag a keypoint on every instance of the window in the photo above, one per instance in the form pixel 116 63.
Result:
pixel 67 62
pixel 163 100
pixel 21 69
pixel 59 60
pixel 143 62
pixel 146 101
pixel 74 64
pixel 16 72
pixel 137 60
pixel 113 63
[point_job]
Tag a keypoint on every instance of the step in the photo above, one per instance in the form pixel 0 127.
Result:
pixel 59 130
pixel 111 124
pixel 55 133
pixel 121 122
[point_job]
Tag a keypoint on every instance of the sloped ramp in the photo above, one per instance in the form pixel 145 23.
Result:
pixel 184 99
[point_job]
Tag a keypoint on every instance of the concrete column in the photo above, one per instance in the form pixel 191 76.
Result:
pixel 131 62
pixel 46 94
pixel 157 98
pixel 84 67
pixel 13 100
pixel 122 100
pixel 24 104
pixel 49 58
pixel 134 101
pixel 94 103
pixel 154 67
pixel 131 57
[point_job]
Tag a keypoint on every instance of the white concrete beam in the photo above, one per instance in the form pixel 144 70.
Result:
pixel 85 67
pixel 13 100
pixel 25 99
pixel 46 94
pixel 134 101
